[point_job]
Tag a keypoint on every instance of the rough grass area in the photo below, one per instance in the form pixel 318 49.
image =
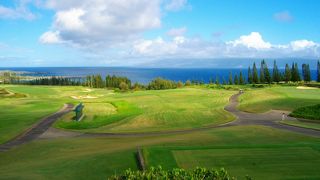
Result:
pixel 279 98
pixel 6 94
pixel 309 125
pixel 100 157
pixel 308 112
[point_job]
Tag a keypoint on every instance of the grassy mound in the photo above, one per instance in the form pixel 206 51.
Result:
pixel 6 94
pixel 308 112
pixel 124 110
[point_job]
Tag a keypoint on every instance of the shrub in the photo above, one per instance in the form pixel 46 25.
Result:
pixel 175 174
pixel 308 112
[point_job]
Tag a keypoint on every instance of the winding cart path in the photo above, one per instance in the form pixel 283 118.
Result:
pixel 270 119
pixel 37 130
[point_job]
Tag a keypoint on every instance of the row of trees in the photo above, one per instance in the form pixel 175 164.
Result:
pixel 289 74
pixel 96 81
pixel 53 81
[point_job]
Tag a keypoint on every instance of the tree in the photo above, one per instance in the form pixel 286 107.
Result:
pixel 241 79
pixel 179 84
pixel 255 78
pixel 217 81
pixel 123 86
pixel 295 75
pixel 262 73
pixel 266 73
pixel 250 80
pixel 224 82
pixel 236 80
pixel 287 73
pixel 318 71
pixel 188 83
pixel 230 78
pixel 306 72
pixel 275 73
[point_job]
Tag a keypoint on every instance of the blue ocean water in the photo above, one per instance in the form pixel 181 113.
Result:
pixel 141 75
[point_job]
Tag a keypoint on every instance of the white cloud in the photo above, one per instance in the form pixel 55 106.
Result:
pixel 177 31
pixel 175 5
pixel 253 40
pixel 19 11
pixel 50 37
pixel 303 44
pixel 103 23
pixel 283 16
pixel 246 46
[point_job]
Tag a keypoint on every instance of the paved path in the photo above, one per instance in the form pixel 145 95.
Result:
pixel 37 130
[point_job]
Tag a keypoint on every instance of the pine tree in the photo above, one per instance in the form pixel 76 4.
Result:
pixel 217 81
pixel 287 74
pixel 306 72
pixel 249 76
pixel 275 73
pixel 255 78
pixel 236 80
pixel 296 73
pixel 262 75
pixel 241 79
pixel 230 78
pixel 318 71
pixel 267 73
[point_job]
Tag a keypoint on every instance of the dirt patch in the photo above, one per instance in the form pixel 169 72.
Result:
pixel 87 90
pixel 305 87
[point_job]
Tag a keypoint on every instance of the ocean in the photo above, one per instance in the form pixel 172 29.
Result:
pixel 141 75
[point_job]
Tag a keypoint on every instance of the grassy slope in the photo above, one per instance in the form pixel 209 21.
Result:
pixel 97 158
pixel 139 111
pixel 298 123
pixel 160 110
pixel 283 98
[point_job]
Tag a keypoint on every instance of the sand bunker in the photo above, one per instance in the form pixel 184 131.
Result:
pixel 305 87
pixel 87 90
pixel 84 97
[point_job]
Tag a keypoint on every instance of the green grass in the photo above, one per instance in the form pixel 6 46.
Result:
pixel 308 112
pixel 98 158
pixel 309 125
pixel 279 98
pixel 114 112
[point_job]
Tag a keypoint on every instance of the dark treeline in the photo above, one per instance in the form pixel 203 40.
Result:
pixel 264 75
pixel 54 81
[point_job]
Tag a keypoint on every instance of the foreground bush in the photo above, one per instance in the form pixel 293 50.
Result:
pixel 308 112
pixel 176 174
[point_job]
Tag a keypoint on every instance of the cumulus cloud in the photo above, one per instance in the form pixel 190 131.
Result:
pixel 303 44
pixel 103 23
pixel 253 40
pixel 283 16
pixel 245 46
pixel 50 38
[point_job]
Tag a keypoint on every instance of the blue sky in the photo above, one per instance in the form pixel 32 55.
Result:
pixel 144 33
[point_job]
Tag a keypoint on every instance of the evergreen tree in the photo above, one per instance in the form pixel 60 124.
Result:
pixel 249 76
pixel 241 79
pixel 236 80
pixel 230 78
pixel 275 74
pixel 255 78
pixel 217 81
pixel 295 75
pixel 318 71
pixel 224 82
pixel 287 74
pixel 267 75
pixel 306 72
pixel 262 75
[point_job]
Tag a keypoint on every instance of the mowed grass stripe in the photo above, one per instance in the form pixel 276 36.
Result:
pixel 292 162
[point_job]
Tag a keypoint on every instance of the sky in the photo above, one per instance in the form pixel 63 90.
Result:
pixel 151 33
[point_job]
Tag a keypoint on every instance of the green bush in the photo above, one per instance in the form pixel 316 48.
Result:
pixel 308 112
pixel 176 174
